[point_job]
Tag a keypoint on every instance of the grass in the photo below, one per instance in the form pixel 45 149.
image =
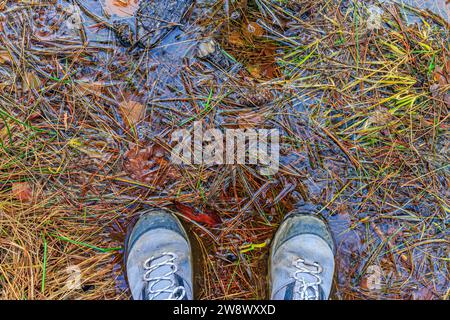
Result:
pixel 363 116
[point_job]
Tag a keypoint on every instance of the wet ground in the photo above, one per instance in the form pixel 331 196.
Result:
pixel 438 7
pixel 118 82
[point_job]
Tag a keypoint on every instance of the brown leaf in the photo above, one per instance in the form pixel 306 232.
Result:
pixel 423 294
pixel 22 191
pixel 447 66
pixel 439 76
pixel 250 120
pixel 379 117
pixel 447 99
pixel 207 217
pixel 149 165
pixel 253 30
pixel 4 57
pixel 132 111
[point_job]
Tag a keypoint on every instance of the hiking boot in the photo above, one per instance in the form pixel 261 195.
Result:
pixel 301 262
pixel 158 258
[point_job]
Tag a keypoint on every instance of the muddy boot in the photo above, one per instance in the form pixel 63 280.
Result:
pixel 158 258
pixel 301 262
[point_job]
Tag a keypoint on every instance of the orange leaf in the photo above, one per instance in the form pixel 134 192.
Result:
pixel 447 66
pixel 236 39
pixel 133 112
pixel 253 29
pixel 207 217
pixel 22 191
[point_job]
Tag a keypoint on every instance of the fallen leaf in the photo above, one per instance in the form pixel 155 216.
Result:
pixel 22 191
pixel 255 71
pixel 253 30
pixel 447 99
pixel 375 19
pixel 423 294
pixel 440 77
pixel 4 57
pixel 90 87
pixel 149 165
pixel 236 39
pixel 88 150
pixel 447 66
pixel 250 120
pixel 121 8
pixel 207 217
pixel 372 280
pixel 262 71
pixel 31 81
pixel 205 48
pixel 132 111
pixel 378 118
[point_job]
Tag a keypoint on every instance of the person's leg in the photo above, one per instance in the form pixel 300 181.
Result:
pixel 301 261
pixel 158 258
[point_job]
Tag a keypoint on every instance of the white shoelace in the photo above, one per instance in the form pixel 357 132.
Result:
pixel 175 292
pixel 302 287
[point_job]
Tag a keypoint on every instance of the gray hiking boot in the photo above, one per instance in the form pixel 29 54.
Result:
pixel 301 262
pixel 158 258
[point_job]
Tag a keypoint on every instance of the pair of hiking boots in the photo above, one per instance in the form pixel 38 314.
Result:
pixel 159 259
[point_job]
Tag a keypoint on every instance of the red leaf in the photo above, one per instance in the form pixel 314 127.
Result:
pixel 209 217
